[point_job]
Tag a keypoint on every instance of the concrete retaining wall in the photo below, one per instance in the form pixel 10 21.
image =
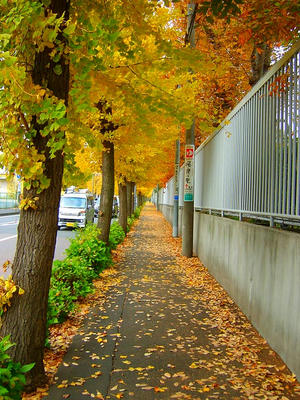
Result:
pixel 259 267
pixel 167 212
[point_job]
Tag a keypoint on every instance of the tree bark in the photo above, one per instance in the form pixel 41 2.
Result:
pixel 260 62
pixel 25 320
pixel 129 199
pixel 123 206
pixel 132 197
pixel 107 191
pixel 139 199
pixel 108 172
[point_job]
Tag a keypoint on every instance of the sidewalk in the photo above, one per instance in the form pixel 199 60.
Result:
pixel 168 331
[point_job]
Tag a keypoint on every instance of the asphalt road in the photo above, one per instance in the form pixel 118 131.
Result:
pixel 8 239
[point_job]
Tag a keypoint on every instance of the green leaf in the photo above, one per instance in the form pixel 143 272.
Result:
pixel 26 368
pixel 69 30
pixel 57 69
pixel 3 391
pixel 56 58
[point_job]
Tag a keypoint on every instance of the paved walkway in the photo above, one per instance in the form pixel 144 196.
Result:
pixel 159 336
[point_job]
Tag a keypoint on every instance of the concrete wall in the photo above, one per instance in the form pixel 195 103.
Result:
pixel 259 267
pixel 167 211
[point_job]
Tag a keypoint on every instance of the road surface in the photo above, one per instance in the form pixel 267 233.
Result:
pixel 8 239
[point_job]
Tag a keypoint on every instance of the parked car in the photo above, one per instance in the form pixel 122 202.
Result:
pixel 96 207
pixel 115 208
pixel 76 209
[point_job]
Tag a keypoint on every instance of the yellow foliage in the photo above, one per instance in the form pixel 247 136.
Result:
pixel 28 202
pixel 7 290
pixel 122 51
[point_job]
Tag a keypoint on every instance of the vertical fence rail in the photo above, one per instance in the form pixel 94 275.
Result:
pixel 251 166
pixel 8 200
pixel 297 126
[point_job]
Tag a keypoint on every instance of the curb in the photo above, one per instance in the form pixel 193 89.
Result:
pixel 9 211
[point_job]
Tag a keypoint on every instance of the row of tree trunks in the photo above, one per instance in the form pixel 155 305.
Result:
pixel 25 320
pixel 140 199
pixel 126 198
pixel 123 206
pixel 126 188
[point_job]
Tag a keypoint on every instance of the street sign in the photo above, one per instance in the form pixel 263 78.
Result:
pixel 189 152
pixel 176 181
pixel 189 173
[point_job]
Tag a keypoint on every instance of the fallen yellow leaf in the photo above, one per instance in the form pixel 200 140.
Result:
pixel 160 389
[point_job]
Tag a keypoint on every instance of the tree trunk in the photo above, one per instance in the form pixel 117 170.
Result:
pixel 139 199
pixel 123 206
pixel 260 62
pixel 25 320
pixel 129 199
pixel 107 190
pixel 132 197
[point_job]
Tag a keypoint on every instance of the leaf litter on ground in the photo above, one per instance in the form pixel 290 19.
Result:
pixel 235 360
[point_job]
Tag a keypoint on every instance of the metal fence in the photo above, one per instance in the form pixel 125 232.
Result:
pixel 8 200
pixel 251 165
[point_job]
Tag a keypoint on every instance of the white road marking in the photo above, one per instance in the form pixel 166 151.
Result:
pixel 7 220
pixel 10 223
pixel 9 237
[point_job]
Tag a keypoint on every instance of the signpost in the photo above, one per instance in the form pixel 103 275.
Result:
pixel 176 190
pixel 188 194
pixel 188 204
pixel 189 173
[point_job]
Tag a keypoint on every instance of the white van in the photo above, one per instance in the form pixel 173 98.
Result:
pixel 76 209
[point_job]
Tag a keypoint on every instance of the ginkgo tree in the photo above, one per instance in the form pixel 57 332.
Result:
pixel 33 106
pixel 133 90
pixel 143 160
pixel 59 59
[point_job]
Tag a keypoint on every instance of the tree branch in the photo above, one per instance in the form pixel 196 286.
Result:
pixel 149 83
pixel 24 120
pixel 141 63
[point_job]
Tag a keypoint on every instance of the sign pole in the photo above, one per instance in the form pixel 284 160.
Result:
pixel 176 189
pixel 188 204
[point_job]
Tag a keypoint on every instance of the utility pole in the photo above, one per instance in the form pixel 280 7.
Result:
pixel 188 204
pixel 176 189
